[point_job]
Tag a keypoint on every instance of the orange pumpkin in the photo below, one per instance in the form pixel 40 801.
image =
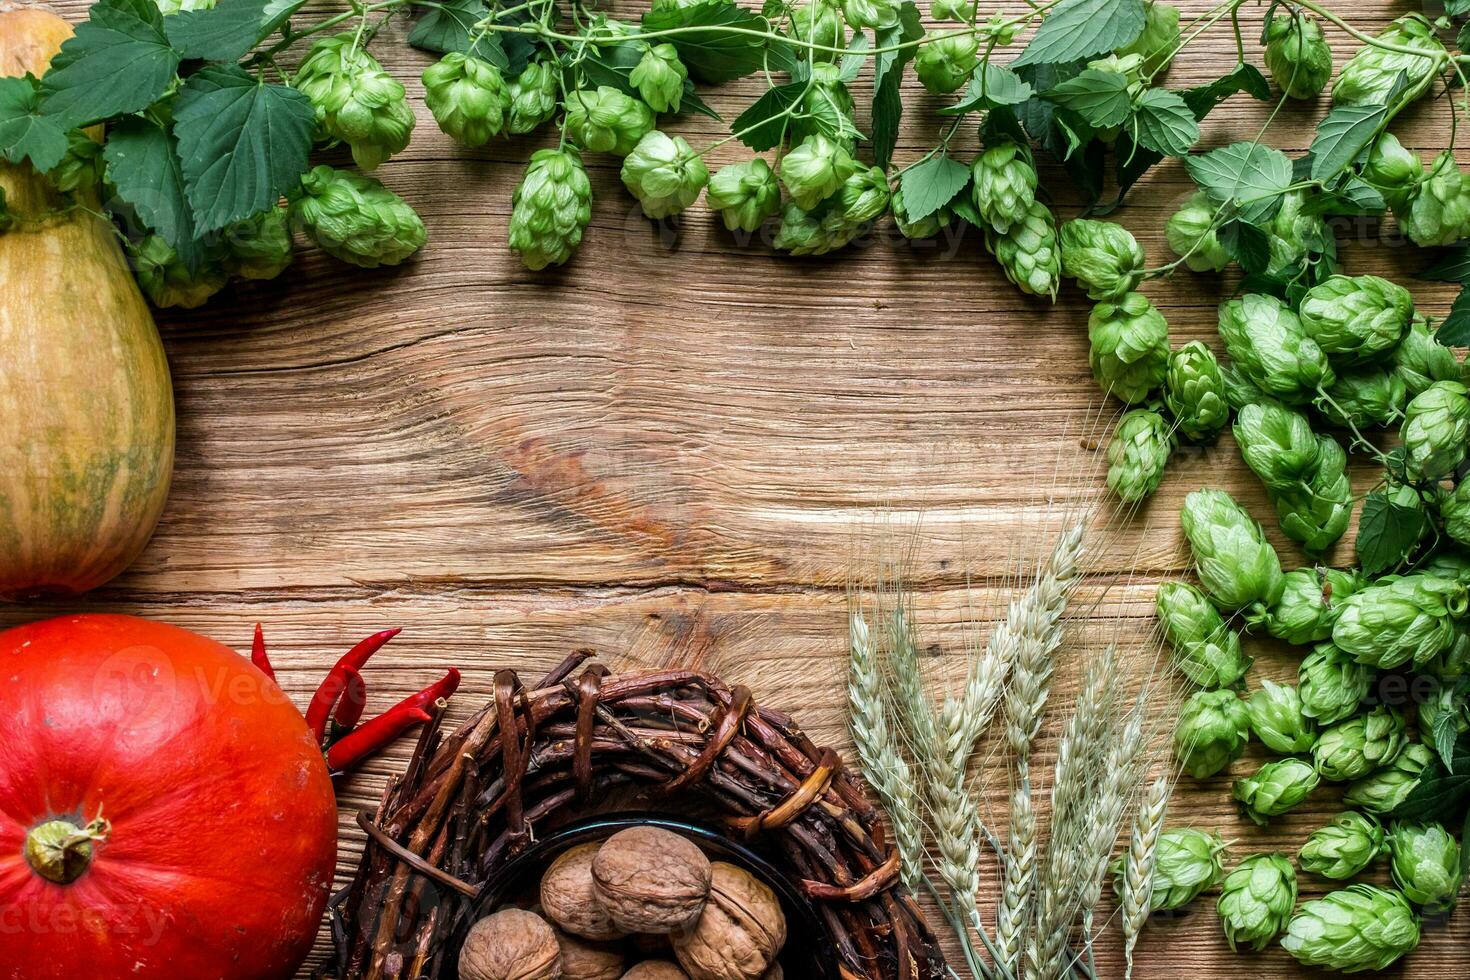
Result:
pixel 86 405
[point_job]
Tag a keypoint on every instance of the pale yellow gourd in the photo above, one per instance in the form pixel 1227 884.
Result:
pixel 86 405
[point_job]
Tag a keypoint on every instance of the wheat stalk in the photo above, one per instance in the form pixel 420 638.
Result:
pixel 878 750
pixel 1137 888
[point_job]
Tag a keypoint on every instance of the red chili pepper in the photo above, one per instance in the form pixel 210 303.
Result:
pixel 354 700
pixel 372 736
pixel 325 698
pixel 258 655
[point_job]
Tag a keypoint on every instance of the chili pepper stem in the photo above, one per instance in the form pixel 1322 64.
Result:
pixel 258 656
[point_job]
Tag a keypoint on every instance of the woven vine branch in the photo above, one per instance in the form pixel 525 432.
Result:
pixel 471 801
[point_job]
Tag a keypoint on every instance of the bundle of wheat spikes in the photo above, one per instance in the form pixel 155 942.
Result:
pixel 1109 788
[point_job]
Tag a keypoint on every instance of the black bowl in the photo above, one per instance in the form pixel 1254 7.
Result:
pixel 809 953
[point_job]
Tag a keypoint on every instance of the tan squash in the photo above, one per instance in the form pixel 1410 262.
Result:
pixel 86 405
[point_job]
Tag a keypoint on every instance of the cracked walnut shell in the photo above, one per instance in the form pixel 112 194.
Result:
pixel 740 933
pixel 651 880
pixel 512 944
pixel 568 899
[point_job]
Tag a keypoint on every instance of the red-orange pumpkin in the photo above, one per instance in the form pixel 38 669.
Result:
pixel 164 809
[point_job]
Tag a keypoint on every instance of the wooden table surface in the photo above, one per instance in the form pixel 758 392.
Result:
pixel 673 450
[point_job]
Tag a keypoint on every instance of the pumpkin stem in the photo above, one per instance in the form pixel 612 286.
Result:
pixel 60 851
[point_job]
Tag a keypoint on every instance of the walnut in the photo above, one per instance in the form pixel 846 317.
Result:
pixel 651 880
pixel 774 973
pixel 512 944
pixel 655 970
pixel 582 959
pixel 740 933
pixel 566 895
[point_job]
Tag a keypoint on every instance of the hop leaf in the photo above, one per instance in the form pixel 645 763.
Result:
pixel 1212 732
pixel 1256 900
pixel 357 219
pixel 468 97
pixel 550 209
pixel 1343 848
pixel 1129 350
pixel 926 227
pixel 745 194
pixel 664 173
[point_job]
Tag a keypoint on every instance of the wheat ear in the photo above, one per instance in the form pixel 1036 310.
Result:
pixel 1137 884
pixel 878 750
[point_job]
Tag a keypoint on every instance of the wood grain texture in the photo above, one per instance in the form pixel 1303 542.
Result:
pixel 673 450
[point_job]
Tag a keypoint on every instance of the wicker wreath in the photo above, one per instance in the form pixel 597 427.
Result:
pixel 468 802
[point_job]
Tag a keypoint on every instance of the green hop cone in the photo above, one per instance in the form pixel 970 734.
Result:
pixel 1191 234
pixel 468 97
pixel 1343 848
pixel 1384 790
pixel 863 198
pixel 80 169
pixel 1358 928
pixel 1187 862
pixel 1436 431
pixel 1454 511
pixel 962 11
pixel 1256 900
pixel 1439 210
pixel 814 170
pixel 1401 620
pixel 1364 397
pixel 1369 76
pixel 1276 788
pixel 1236 564
pixel 1425 860
pixel 1451 565
pixel 356 219
pixel 1004 186
pixel 803 233
pixel 1102 256
pixel 1421 360
pixel 1138 454
pixel 1352 749
pixel 1277 443
pixel 926 227
pixel 533 97
pixel 1213 729
pixel 819 22
pixel 1268 344
pixel 606 120
pixel 873 14
pixel 1029 253
pixel 1317 514
pixel 1308 605
pixel 946 61
pixel 664 173
pixel 659 78
pixel 356 101
pixel 1277 719
pixel 1355 319
pixel 167 281
pixel 550 209
pixel 1297 55
pixel 1158 42
pixel 1129 347
pixel 259 247
pixel 1205 649
pixel 1194 391
pixel 1393 170
pixel 1331 684
pixel 1240 391
pixel 745 194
